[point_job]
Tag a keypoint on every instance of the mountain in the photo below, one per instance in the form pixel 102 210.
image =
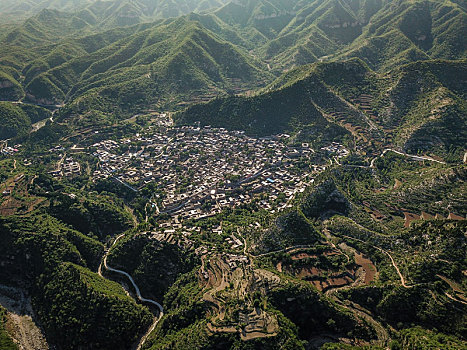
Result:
pixel 13 120
pixel 10 88
pixel 84 296
pixel 58 266
pixel 164 62
pixel 17 119
pixel 258 34
pixel 409 31
pixel 108 13
pixel 47 27
pixel 382 33
pixel 417 107
pixel 38 5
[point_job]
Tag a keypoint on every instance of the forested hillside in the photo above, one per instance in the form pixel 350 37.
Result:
pixel 56 57
pixel 350 98
pixel 108 13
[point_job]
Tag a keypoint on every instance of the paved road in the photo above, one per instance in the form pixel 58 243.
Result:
pixel 138 293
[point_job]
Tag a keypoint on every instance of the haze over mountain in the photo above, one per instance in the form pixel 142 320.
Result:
pixel 277 34
pixel 109 13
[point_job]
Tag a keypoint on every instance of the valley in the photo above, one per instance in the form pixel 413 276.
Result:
pixel 245 174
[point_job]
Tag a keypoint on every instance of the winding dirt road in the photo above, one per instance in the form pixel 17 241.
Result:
pixel 397 268
pixel 372 164
pixel 390 257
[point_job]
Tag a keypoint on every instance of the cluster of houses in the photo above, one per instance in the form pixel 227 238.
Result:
pixel 202 170
pixel 70 167
pixel 67 166
pixel 8 150
pixel 337 149
pixel 198 164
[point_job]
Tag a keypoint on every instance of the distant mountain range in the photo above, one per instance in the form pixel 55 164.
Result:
pixel 91 57
pixel 174 59
pixel 110 12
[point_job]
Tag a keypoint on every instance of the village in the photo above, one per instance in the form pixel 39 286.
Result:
pixel 199 171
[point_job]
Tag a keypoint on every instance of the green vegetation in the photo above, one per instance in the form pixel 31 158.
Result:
pixel 54 262
pixel 311 312
pixel 289 230
pixel 411 31
pixel 74 299
pixel 379 255
pixel 174 59
pixel 103 52
pixel 13 121
pixel 108 14
pixel 323 103
pixel 325 200
pixel 6 342
pixel 10 88
pixel 96 215
pixel 16 119
pixel 35 113
pixel 418 338
pixel 283 110
pixel 39 243
pixel 402 306
pixel 149 262
pixel 340 346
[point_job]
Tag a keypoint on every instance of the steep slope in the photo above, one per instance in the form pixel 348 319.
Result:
pixel 168 60
pixel 148 262
pixel 108 13
pixel 417 107
pixel 47 27
pixel 382 33
pixel 299 98
pixel 266 17
pixel 10 88
pixel 6 341
pixel 13 121
pixel 408 31
pixel 84 297
pixel 51 56
pixel 38 5
pixel 319 29
pixel 427 106
pixel 55 263
pixel 285 34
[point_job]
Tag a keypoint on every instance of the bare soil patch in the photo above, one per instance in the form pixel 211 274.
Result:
pixel 368 267
pixel 409 217
pixel 397 184
pixel 20 320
